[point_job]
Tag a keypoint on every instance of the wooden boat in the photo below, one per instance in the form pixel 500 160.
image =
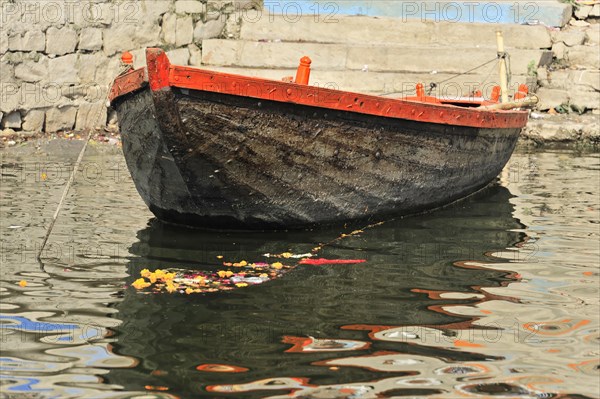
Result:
pixel 218 150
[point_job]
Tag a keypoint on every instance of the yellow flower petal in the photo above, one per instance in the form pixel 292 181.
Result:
pixel 277 265
pixel 140 283
pixel 286 255
pixel 240 285
pixel 145 273
pixel 23 283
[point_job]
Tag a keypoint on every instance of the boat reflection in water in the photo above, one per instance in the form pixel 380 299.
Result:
pixel 415 319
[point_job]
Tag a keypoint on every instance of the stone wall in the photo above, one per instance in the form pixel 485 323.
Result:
pixel 571 84
pixel 58 57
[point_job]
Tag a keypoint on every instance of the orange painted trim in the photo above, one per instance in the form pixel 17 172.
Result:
pixel 127 83
pixel 162 74
pixel 273 90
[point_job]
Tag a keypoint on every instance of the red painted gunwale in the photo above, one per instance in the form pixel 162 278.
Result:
pixel 162 74
pixel 127 83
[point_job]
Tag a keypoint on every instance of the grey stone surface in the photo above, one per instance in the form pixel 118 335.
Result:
pixel 384 31
pixel 90 39
pixel 60 119
pixel 185 31
pixel 592 34
pixel 585 99
pixel 559 49
pixel 208 30
pixel 571 37
pixel 551 98
pixel 179 56
pixel 195 55
pixel 63 69
pixel 11 121
pixel 33 121
pixel 584 56
pixel 91 116
pixel 582 11
pixel 119 38
pixel 3 41
pixel 32 71
pixel 169 28
pixel 32 40
pixel 189 7
pixel 61 41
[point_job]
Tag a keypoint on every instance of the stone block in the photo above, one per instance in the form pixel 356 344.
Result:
pixel 3 41
pixel 189 7
pixel 390 31
pixel 589 78
pixel 169 28
pixel 32 40
pixel 31 71
pixel 185 31
pixel 571 37
pixel 119 38
pixel 153 9
pixel 11 121
pixel 195 55
pixel 208 30
pixel 584 56
pixel 36 95
pixel 33 121
pixel 147 34
pixel 90 39
pixel 63 69
pixel 551 98
pixel 224 52
pixel 61 41
pixel 595 12
pixel 585 99
pixel 559 50
pixel 232 26
pixel 60 119
pixel 91 116
pixel 180 56
pixel 592 34
pixel 582 12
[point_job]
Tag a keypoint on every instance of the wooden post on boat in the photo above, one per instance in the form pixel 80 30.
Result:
pixel 502 67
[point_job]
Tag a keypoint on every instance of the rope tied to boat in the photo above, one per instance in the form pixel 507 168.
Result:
pixel 125 66
pixel 433 85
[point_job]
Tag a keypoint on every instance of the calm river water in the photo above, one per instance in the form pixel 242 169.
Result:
pixel 496 296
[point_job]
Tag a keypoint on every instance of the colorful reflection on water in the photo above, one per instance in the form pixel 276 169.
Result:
pixel 496 296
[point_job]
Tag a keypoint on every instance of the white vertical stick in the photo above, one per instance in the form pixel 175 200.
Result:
pixel 502 67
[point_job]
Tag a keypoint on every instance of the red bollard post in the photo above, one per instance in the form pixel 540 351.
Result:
pixel 303 73
pixel 522 93
pixel 420 91
pixel 495 94
pixel 127 58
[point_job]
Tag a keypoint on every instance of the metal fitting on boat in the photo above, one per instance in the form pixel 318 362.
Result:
pixel 303 73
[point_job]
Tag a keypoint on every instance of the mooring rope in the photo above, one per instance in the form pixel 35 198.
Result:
pixel 433 85
pixel 63 197
pixel 124 68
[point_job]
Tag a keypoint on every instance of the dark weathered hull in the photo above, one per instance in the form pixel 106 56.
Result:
pixel 216 160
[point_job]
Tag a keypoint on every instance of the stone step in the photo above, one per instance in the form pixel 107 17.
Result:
pixel 398 84
pixel 390 31
pixel 422 59
pixel 547 12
